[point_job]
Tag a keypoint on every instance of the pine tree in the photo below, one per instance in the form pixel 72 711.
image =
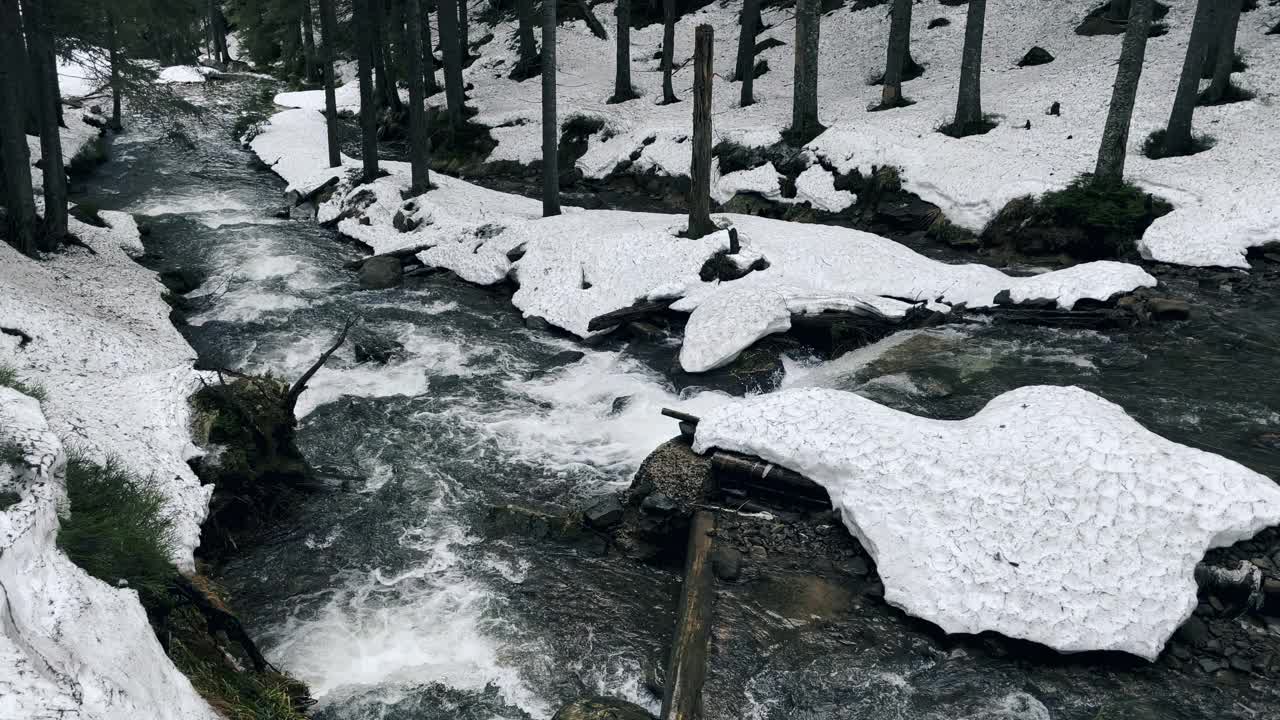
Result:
pixel 1226 54
pixel 451 49
pixel 668 50
pixel 15 160
pixel 899 51
pixel 1177 137
pixel 1115 136
pixel 308 42
pixel 745 69
pixel 804 100
pixel 969 118
pixel 363 17
pixel 39 30
pixel 530 63
pixel 550 124
pixel 328 31
pixel 419 139
pixel 622 90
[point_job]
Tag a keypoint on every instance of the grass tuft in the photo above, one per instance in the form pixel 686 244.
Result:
pixel 9 379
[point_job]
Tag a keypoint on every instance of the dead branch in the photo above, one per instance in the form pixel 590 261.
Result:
pixel 291 399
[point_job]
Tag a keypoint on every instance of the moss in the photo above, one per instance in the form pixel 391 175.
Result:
pixel 9 378
pixel 944 231
pixel 1153 147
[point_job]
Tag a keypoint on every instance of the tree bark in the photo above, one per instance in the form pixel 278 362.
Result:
pixel 452 51
pixel 1226 57
pixel 419 139
pixel 668 50
pixel 969 101
pixel 113 56
pixel 430 87
pixel 898 52
pixel 368 105
pixel 622 90
pixel 529 60
pixel 700 168
pixel 328 31
pixel 40 52
pixel 1115 135
pixel 308 42
pixel 15 159
pixel 1216 18
pixel 745 69
pixel 1177 138
pixel 550 126
pixel 464 30
pixel 804 100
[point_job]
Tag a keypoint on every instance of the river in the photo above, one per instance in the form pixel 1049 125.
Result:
pixel 389 599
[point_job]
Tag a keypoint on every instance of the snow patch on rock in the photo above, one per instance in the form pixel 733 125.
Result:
pixel 1050 515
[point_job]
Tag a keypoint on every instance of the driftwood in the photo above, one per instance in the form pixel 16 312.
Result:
pixel 687 666
pixel 1053 317
pixel 626 314
pixel 402 255
pixel 295 391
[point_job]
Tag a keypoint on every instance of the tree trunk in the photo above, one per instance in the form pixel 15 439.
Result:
pixel 898 52
pixel 1177 138
pixel 550 126
pixel 529 60
pixel 220 37
pixel 668 50
pixel 464 30
pixel 308 42
pixel 593 23
pixel 452 51
pixel 1226 56
pixel 40 52
pixel 745 70
pixel 700 168
pixel 1216 22
pixel 15 160
pixel 969 102
pixel 430 87
pixel 393 52
pixel 113 56
pixel 804 101
pixel 328 30
pixel 622 90
pixel 368 106
pixel 1115 135
pixel 419 140
pixel 211 43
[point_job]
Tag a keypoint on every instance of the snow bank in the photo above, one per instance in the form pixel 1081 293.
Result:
pixel 117 373
pixel 185 74
pixel 1051 515
pixel 1225 200
pixel 72 646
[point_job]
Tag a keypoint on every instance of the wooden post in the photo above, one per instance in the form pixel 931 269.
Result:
pixel 700 189
pixel 687 668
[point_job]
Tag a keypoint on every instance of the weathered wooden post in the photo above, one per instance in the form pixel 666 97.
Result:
pixel 687 668
pixel 700 189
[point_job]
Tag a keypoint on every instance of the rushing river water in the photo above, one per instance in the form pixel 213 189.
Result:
pixel 386 596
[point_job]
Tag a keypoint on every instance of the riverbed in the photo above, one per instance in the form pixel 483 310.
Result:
pixel 387 595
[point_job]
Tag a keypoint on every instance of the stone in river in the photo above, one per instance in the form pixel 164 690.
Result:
pixel 380 272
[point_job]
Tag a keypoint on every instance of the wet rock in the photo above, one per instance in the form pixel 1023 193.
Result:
pixel 604 512
pixel 1269 441
pixel 620 404
pixel 536 323
pixel 646 331
pixel 674 471
pixel 305 212
pixel 1210 665
pixel 601 708
pixel 559 360
pixel 1168 309
pixel 659 504
pixel 858 566
pixel 1036 56
pixel 380 272
pixel 375 349
pixel 1194 632
pixel 180 280
pixel 727 563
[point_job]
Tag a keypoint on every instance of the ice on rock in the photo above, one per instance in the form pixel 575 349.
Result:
pixel 1050 515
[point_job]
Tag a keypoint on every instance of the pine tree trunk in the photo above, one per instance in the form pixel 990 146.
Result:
pixel 220 37
pixel 700 167
pixel 452 51
pixel 308 42
pixel 529 59
pixel 419 139
pixel 41 58
pixel 328 31
pixel 1226 51
pixel 550 125
pixel 668 50
pixel 113 56
pixel 1216 21
pixel 19 200
pixel 1115 135
pixel 969 102
pixel 368 104
pixel 898 52
pixel 393 52
pixel 210 42
pixel 804 101
pixel 1177 138
pixel 430 87
pixel 464 30
pixel 622 90
pixel 745 69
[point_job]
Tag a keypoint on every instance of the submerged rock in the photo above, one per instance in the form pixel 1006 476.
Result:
pixel 601 708
pixel 381 272
pixel 604 512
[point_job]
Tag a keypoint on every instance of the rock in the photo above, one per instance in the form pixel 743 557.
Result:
pixel 1168 309
pixel 620 404
pixel 675 471
pixel 372 348
pixel 604 512
pixel 1194 632
pixel 601 708
pixel 1055 109
pixel 645 331
pixel 727 563
pixel 1036 56
pixel 659 504
pixel 402 222
pixel 380 272
pixel 536 323
pixel 305 212
pixel 1210 665
pixel 938 22
pixel 559 360
pixel 180 280
pixel 858 566
pixel 758 553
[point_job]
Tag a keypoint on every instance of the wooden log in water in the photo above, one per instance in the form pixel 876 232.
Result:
pixel 687 666
pixel 617 317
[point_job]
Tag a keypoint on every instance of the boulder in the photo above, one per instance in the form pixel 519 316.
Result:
pixel 604 512
pixel 180 280
pixel 1036 56
pixel 601 708
pixel 376 349
pixel 674 471
pixel 380 272
pixel 1168 309
pixel 727 562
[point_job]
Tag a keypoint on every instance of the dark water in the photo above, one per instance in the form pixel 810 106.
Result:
pixel 388 597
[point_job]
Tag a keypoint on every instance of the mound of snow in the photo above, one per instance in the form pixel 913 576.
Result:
pixel 70 645
pixel 1050 515
pixel 185 74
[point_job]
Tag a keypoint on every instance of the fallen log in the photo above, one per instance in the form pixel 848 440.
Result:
pixel 634 312
pixel 403 255
pixel 687 666
pixel 741 475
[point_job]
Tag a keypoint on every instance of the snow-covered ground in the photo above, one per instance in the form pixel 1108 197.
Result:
pixel 1050 515
pixel 586 263
pixel 72 646
pixel 83 127
pixel 185 74
pixel 1225 200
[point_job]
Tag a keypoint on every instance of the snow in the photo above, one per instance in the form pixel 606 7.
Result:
pixel 117 373
pixel 347 97
pixel 77 135
pixel 185 74
pixel 79 73
pixel 1050 515
pixel 1226 200
pixel 72 646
